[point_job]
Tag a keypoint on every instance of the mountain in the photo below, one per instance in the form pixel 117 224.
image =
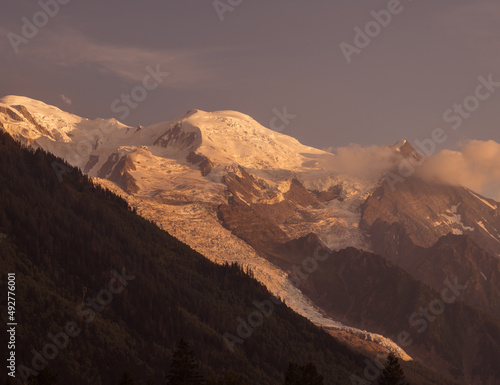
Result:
pixel 157 169
pixel 238 192
pixel 438 232
pixel 70 242
pixel 369 292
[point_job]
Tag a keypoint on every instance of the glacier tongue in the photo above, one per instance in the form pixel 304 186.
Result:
pixel 197 225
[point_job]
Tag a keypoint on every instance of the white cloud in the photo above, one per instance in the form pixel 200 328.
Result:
pixel 70 49
pixel 476 166
pixel 66 99
pixel 367 163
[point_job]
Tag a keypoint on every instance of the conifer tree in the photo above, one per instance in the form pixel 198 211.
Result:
pixel 392 374
pixel 184 369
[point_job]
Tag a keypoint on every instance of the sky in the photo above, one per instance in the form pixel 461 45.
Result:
pixel 283 59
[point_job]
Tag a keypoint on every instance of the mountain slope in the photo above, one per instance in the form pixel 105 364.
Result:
pixel 373 294
pixel 436 232
pixel 62 238
pixel 427 211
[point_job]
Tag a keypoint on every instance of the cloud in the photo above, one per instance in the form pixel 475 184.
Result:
pixel 476 166
pixel 66 99
pixel 70 49
pixel 367 163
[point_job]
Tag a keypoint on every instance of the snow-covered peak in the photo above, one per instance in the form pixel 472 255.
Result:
pixel 38 107
pixel 230 137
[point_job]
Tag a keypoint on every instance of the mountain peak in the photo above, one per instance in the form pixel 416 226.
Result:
pixel 229 137
pixel 16 100
pixel 406 150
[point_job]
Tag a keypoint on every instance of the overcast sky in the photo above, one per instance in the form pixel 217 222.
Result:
pixel 262 56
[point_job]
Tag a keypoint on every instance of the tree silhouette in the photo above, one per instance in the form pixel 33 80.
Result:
pixel 184 369
pixel 392 374
pixel 302 375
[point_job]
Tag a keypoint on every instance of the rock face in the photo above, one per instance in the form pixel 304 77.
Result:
pixel 201 161
pixel 20 114
pixel 334 192
pixel 122 176
pixel 93 160
pixel 179 139
pixel 11 113
pixel 426 212
pixel 439 233
pixel 24 111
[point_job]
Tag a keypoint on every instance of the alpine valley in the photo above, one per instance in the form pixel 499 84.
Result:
pixel 411 268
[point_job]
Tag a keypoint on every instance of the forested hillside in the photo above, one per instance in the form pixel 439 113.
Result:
pixel 64 239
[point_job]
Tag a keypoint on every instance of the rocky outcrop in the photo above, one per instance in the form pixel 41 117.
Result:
pixel 179 139
pixel 250 216
pixel 204 164
pixel 299 195
pixel 117 169
pixel 24 111
pixel 122 177
pixel 107 168
pixel 93 159
pixel 11 113
pixel 427 211
pixel 334 192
